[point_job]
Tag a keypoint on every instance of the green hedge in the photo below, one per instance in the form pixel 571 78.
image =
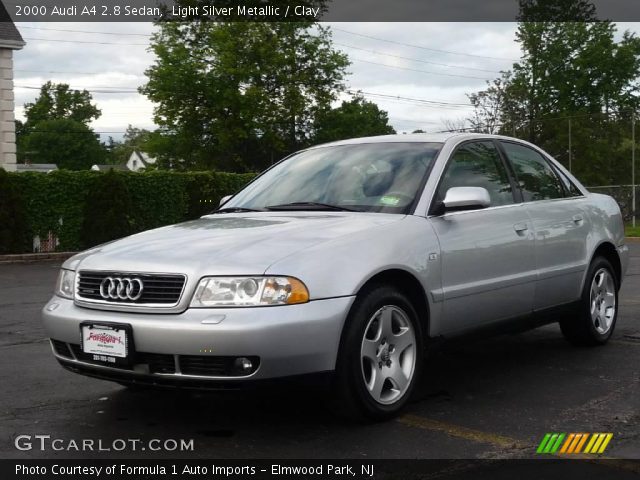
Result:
pixel 59 201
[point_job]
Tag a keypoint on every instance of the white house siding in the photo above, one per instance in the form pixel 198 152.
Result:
pixel 7 117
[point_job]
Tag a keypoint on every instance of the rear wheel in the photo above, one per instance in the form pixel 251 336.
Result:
pixel 380 355
pixel 595 320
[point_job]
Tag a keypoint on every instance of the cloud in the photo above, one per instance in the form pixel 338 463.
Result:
pixel 113 68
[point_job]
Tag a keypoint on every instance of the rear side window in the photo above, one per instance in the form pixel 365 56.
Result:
pixel 535 176
pixel 570 189
pixel 478 164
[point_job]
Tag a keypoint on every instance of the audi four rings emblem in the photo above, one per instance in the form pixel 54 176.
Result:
pixel 116 288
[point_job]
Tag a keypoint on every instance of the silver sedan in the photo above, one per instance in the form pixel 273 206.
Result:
pixel 348 259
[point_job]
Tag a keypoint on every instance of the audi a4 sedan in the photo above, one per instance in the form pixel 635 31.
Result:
pixel 348 259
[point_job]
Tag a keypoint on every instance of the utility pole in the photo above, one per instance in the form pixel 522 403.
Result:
pixel 570 157
pixel 633 168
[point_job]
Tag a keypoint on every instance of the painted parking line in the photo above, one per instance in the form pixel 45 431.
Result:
pixel 625 342
pixel 465 433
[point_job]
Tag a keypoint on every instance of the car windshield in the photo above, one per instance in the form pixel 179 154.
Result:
pixel 372 177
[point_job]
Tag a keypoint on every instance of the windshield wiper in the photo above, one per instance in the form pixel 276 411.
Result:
pixel 235 210
pixel 310 206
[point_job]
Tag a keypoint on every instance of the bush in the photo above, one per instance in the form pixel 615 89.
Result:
pixel 85 208
pixel 107 211
pixel 14 235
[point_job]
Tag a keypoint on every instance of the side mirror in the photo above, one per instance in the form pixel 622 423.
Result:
pixel 224 200
pixel 466 198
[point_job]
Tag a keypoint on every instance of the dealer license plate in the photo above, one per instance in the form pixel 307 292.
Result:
pixel 105 343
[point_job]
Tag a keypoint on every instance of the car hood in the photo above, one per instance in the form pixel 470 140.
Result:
pixel 225 244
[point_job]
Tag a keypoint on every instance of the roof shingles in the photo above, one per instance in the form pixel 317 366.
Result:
pixel 9 35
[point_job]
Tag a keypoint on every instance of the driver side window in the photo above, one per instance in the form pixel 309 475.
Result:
pixel 478 164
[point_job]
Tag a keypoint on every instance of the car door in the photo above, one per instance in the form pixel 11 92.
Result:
pixel 560 223
pixel 487 255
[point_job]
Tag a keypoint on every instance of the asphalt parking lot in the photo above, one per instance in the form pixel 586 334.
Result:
pixel 492 398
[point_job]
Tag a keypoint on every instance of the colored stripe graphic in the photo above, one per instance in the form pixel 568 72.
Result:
pixel 582 442
pixel 543 443
pixel 573 443
pixel 567 443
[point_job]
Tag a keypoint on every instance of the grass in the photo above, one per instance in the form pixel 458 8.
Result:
pixel 632 232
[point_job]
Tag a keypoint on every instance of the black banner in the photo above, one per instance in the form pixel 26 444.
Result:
pixel 331 468
pixel 320 10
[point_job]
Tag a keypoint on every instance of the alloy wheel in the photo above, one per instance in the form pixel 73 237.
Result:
pixel 388 354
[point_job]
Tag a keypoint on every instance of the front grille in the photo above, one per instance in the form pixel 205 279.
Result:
pixel 158 362
pixel 158 289
pixel 61 348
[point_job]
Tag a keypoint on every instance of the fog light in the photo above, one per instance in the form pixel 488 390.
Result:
pixel 243 365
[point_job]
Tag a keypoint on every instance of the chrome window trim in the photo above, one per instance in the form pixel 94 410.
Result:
pixel 477 210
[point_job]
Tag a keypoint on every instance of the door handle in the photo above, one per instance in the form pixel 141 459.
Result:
pixel 578 218
pixel 520 227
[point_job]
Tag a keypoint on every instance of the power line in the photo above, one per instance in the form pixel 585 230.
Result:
pixel 422 100
pixel 422 47
pixel 414 59
pixel 87 31
pixel 86 41
pixel 417 70
pixel 97 90
pixel 67 71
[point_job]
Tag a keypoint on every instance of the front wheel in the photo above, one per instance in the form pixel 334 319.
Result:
pixel 380 355
pixel 595 320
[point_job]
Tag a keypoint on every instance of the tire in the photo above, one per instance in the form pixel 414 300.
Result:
pixel 595 318
pixel 380 356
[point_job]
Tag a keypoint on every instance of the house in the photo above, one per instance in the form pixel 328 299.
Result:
pixel 106 168
pixel 139 160
pixel 36 167
pixel 10 40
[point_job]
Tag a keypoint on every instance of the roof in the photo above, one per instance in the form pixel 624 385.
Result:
pixel 9 35
pixel 106 168
pixel 146 159
pixel 36 167
pixel 415 138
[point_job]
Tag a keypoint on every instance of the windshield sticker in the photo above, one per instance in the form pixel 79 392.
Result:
pixel 389 200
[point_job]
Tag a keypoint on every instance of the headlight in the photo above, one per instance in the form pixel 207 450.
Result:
pixel 249 291
pixel 66 283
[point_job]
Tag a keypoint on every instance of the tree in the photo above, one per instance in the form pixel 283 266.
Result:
pixel 489 106
pixel 58 101
pixel 65 142
pixel 355 118
pixel 57 129
pixel 569 72
pixel 457 125
pixel 133 139
pixel 239 95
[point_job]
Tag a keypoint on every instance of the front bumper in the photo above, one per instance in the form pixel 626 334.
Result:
pixel 288 340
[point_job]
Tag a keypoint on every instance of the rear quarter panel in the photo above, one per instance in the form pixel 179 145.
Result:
pixel 606 226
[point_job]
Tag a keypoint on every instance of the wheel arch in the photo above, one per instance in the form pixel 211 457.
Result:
pixel 608 251
pixel 409 284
